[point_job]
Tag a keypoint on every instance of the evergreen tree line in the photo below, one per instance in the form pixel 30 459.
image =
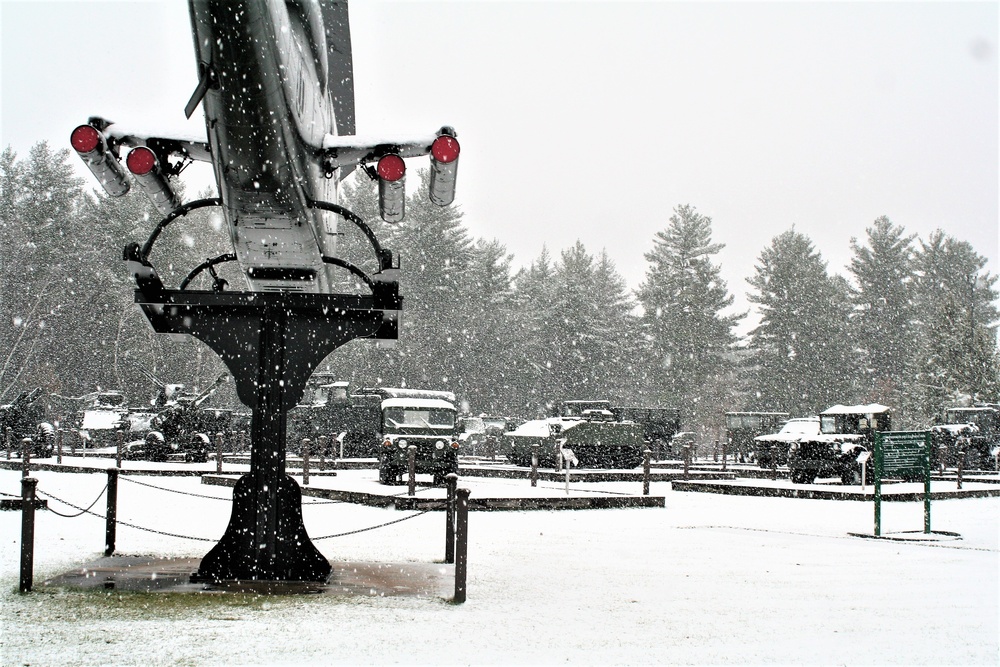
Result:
pixel 912 326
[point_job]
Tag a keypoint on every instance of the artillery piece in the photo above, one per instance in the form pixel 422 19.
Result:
pixel 182 426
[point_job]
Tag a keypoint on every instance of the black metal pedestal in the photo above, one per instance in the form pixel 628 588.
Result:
pixel 271 343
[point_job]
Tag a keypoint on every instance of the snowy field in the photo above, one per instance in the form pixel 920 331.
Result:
pixel 709 579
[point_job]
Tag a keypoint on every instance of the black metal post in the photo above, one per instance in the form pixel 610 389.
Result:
pixel 59 441
pixel 687 460
pixel 411 465
pixel 534 464
pixel 219 440
pixel 725 441
pixel 119 443
pixel 322 440
pixel 111 521
pixel 645 471
pixel 774 462
pixel 28 485
pixel 305 461
pixel 8 440
pixel 451 481
pixel 461 544
pixel 26 457
pixel 961 466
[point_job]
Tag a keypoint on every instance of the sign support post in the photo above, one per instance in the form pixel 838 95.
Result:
pixel 905 454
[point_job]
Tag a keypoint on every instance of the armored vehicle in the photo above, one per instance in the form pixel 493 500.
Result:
pixel 772 449
pixel 847 435
pixel 972 430
pixel 743 427
pixel 588 428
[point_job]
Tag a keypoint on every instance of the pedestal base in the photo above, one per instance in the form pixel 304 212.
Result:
pixel 243 554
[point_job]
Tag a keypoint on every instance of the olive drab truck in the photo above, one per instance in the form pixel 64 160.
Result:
pixel 845 442
pixel 974 431
pixel 743 427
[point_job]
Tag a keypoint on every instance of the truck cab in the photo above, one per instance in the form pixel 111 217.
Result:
pixel 846 431
pixel 417 418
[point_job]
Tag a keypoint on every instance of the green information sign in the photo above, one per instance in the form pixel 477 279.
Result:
pixel 903 454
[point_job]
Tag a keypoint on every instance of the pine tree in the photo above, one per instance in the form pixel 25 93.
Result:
pixel 801 352
pixel 883 304
pixel 683 297
pixel 955 304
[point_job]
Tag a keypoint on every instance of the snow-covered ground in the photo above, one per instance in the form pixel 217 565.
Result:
pixel 709 579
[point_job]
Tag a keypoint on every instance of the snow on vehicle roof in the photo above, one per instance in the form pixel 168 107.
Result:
pixel 432 403
pixel 871 408
pixel 100 420
pixel 539 428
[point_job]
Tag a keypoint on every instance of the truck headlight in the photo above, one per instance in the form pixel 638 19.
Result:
pixel 402 443
pixel 439 444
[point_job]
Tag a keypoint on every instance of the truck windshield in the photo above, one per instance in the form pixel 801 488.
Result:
pixel 967 417
pixel 419 417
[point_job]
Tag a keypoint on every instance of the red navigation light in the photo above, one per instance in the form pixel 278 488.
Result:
pixel 85 139
pixel 445 149
pixel 444 167
pixel 391 188
pixel 140 161
pixel 391 168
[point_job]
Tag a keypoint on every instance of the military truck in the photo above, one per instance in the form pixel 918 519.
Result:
pixel 597 438
pixel 743 427
pixel 482 435
pixel 847 432
pixel 421 418
pixel 349 421
pixel 772 449
pixel 973 430
pixel 659 426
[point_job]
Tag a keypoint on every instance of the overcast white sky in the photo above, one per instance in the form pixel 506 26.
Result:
pixel 593 120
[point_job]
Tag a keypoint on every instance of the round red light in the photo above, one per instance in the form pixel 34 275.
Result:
pixel 85 138
pixel 445 149
pixel 391 168
pixel 140 161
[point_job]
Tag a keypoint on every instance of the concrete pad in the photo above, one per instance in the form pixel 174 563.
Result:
pixel 348 579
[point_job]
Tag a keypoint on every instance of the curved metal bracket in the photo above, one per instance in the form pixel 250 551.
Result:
pixel 207 264
pixel 384 256
pixel 184 209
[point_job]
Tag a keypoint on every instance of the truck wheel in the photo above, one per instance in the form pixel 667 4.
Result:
pixel 802 477
pixel 387 475
pixel 851 476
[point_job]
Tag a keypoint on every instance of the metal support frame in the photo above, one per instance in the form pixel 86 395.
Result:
pixel 271 343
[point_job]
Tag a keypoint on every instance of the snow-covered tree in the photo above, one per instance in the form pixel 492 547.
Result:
pixel 955 305
pixel 801 355
pixel 683 298
pixel 883 273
